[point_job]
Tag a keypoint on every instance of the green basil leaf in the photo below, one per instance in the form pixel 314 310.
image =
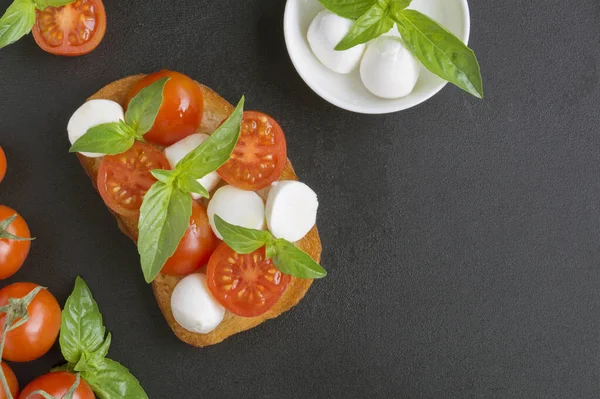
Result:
pixel 108 138
pixel 43 4
pixel 189 184
pixel 440 51
pixel 165 176
pixel 217 149
pixel 291 260
pixel 351 9
pixel 164 219
pixel 143 108
pixel 16 22
pixel 372 24
pixel 101 352
pixel 241 239
pixel 81 328
pixel 110 380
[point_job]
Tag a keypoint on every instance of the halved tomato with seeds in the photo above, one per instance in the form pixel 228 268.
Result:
pixel 74 29
pixel 259 155
pixel 246 285
pixel 124 179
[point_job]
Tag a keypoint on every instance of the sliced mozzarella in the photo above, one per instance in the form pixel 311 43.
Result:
pixel 291 210
pixel 177 151
pixel 238 207
pixel 388 69
pixel 324 33
pixel 194 307
pixel 90 114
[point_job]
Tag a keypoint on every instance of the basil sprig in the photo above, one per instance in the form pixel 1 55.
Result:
pixel 288 258
pixel 167 206
pixel 84 346
pixel 434 46
pixel 117 137
pixel 19 18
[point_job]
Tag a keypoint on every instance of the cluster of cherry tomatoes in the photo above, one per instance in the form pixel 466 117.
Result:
pixel 37 335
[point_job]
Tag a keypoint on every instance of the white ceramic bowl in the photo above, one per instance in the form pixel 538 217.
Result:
pixel 347 91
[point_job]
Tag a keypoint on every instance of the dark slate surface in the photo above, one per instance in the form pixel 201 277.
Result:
pixel 461 236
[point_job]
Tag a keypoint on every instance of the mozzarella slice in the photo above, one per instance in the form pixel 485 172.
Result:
pixel 388 69
pixel 291 210
pixel 180 149
pixel 238 207
pixel 194 307
pixel 90 114
pixel 324 33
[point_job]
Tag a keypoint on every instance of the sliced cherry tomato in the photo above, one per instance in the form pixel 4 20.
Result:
pixel 2 164
pixel 71 30
pixel 246 285
pixel 13 384
pixel 57 384
pixel 181 111
pixel 259 156
pixel 13 252
pixel 196 246
pixel 124 179
pixel 33 339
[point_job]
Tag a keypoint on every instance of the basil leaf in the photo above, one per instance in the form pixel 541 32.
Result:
pixel 81 328
pixel 164 219
pixel 440 51
pixel 217 149
pixel 143 108
pixel 242 240
pixel 188 184
pixel 43 4
pixel 291 260
pixel 108 138
pixel 102 351
pixel 110 380
pixel 16 22
pixel 372 24
pixel 165 176
pixel 351 9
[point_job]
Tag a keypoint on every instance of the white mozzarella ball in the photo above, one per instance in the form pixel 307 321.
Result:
pixel 388 69
pixel 291 210
pixel 91 114
pixel 194 307
pixel 324 33
pixel 238 207
pixel 180 149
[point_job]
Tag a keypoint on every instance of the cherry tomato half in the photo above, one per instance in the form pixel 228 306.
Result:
pixel 181 111
pixel 71 30
pixel 2 164
pixel 246 285
pixel 34 338
pixel 57 384
pixel 12 252
pixel 196 246
pixel 124 179
pixel 259 155
pixel 11 378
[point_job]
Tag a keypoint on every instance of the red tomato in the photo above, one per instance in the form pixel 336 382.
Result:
pixel 12 252
pixel 34 338
pixel 196 246
pixel 124 179
pixel 246 285
pixel 57 384
pixel 181 111
pixel 259 156
pixel 11 378
pixel 71 30
pixel 2 164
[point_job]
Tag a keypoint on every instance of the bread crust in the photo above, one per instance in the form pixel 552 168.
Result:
pixel 216 109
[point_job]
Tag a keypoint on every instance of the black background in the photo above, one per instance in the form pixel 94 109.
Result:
pixel 461 236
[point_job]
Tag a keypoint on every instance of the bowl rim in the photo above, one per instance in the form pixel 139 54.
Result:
pixel 360 109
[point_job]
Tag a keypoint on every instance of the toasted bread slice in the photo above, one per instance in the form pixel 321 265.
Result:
pixel 216 109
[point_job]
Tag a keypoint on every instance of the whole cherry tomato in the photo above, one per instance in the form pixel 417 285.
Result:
pixel 33 339
pixel 57 384
pixel 13 252
pixel 2 164
pixel 11 378
pixel 181 111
